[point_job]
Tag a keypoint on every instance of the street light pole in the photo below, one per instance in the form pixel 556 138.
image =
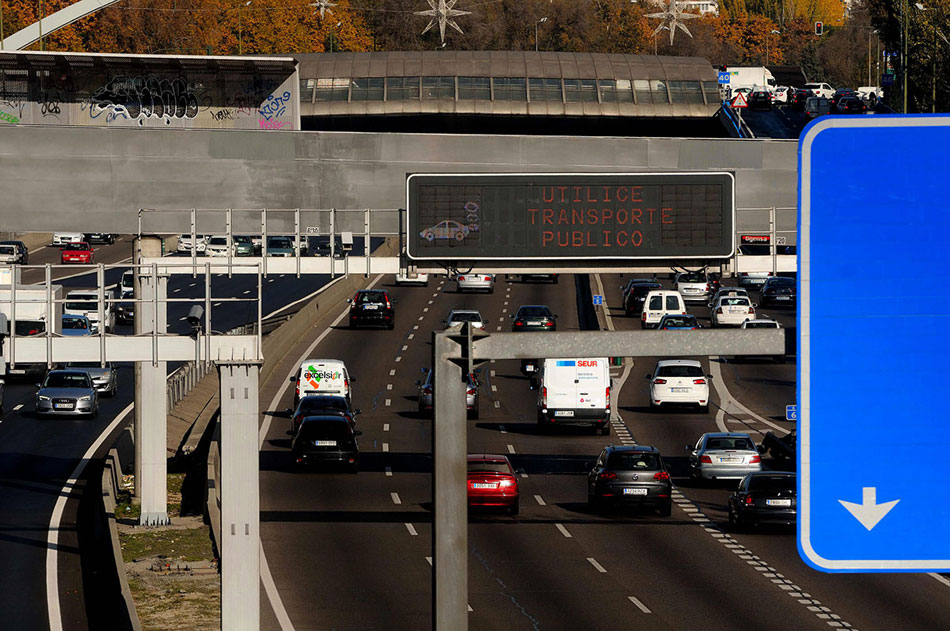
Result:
pixel 544 19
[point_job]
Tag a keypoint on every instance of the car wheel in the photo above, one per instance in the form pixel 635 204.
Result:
pixel 704 409
pixel 666 510
pixel 513 509
pixel 355 467
pixel 428 235
pixel 391 325
pixel 554 280
pixel 734 523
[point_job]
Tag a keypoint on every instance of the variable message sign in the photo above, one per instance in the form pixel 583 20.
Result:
pixel 570 216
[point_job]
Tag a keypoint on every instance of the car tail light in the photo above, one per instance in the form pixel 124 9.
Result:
pixel 488 278
pixel 719 311
pixel 427 390
pixel 461 278
pixel 705 459
pixel 297 389
pixel 661 475
pixel 748 500
pixel 699 382
pixel 607 475
pixel 751 310
pixel 389 305
pixel 755 459
pixel 608 397
pixel 544 396
pixel 519 323
pixel 643 315
pixel 507 482
pixel 548 323
pixel 659 382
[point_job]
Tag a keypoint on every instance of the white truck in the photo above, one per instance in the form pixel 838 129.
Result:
pixel 750 77
pixel 31 318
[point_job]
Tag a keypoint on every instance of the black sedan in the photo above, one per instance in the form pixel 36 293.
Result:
pixel 630 474
pixel 533 318
pixel 778 291
pixel 99 237
pixel 760 99
pixel 634 293
pixel 372 306
pixel 319 404
pixel 326 439
pixel 851 105
pixel 798 97
pixel 766 497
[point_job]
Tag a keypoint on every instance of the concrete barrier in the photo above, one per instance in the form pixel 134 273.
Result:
pixel 111 474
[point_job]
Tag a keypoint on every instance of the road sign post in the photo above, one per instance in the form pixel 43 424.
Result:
pixel 855 514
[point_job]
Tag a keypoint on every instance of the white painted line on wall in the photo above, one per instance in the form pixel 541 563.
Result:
pixel 386 448
pixel 389 472
pixel 511 449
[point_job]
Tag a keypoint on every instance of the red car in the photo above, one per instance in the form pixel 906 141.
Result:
pixel 492 482
pixel 77 253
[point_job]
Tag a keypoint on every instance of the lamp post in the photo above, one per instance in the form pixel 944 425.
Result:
pixel 241 27
pixel 331 35
pixel 544 19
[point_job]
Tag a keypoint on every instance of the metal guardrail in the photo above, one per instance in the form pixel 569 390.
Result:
pixel 184 379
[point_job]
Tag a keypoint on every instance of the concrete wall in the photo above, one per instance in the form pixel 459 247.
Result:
pixel 74 178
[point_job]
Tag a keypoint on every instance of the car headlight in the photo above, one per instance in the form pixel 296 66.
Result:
pixel 41 397
pixel 85 399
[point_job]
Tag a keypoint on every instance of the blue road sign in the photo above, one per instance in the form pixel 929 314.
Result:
pixel 598 299
pixel 887 78
pixel 854 513
pixel 791 412
pixel 724 77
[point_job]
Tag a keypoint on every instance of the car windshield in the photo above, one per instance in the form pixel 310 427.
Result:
pixel 218 241
pixel 29 327
pixel 642 290
pixel 627 461
pixel 279 242
pixel 240 238
pixel 365 297
pixel 67 380
pixel 488 466
pixel 764 324
pixel 308 404
pixel 79 246
pixel 75 324
pixel 85 365
pixel 332 430
pixel 680 371
pixel 679 321
pixel 534 312
pixel 465 316
pixel 726 442
pixel 772 483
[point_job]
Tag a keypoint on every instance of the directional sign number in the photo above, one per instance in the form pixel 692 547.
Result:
pixel 724 77
pixel 598 299
pixel 791 412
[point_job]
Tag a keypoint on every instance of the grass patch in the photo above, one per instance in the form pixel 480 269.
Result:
pixel 177 604
pixel 192 544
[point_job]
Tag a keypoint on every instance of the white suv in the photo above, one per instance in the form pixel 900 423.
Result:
pixel 821 89
pixel 679 381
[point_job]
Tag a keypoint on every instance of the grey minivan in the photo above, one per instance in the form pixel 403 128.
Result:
pixel 817 106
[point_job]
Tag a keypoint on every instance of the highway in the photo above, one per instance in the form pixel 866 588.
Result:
pixel 37 456
pixel 353 551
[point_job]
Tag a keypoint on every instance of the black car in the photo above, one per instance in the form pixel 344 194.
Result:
pixel 760 99
pixel 678 322
pixel 798 98
pixel 630 474
pixel 842 93
pixel 322 404
pixel 326 439
pixel 778 290
pixel 779 447
pixel 766 497
pixel 851 105
pixel 125 311
pixel 533 318
pixel 550 278
pixel 372 306
pixel 634 293
pixel 98 237
pixel 22 250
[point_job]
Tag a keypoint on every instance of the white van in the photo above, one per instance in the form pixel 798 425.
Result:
pixel 321 376
pixel 659 303
pixel 575 392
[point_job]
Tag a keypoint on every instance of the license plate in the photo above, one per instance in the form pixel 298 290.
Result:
pixel 734 310
pixel 534 323
pixel 634 491
pixel 730 460
pixel 529 368
pixel 783 297
pixel 370 307
pixel 17 371
pixel 778 502
pixel 680 389
pixel 64 406
pixel 324 443
pixel 564 413
pixel 484 485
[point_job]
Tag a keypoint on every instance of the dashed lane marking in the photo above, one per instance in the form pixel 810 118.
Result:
pixel 399 359
pixel 405 347
pixel 539 500
pixel 389 386
pixel 429 560
pixel 502 429
pixel 389 472
pixel 494 388
pixel 424 309
pixel 491 372
pixel 17 406
pixel 176 290
pixel 385 427
pixel 386 448
pixel 415 327
pixel 498 328
pixel 411 335
pixel 421 318
pixel 387 402
pixel 564 531
pixel 640 605
pixel 497 404
pixel 411 529
pixel 395 498
pixel 430 302
pixel 597 566
pixel 511 449
pixel 392 372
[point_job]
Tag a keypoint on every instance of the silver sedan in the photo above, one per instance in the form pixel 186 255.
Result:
pixel 723 456
pixel 67 393
pixel 475 282
pixel 104 378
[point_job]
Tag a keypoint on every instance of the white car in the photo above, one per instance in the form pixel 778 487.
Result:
pixel 760 323
pixel 9 254
pixel 218 246
pixel 821 89
pixel 475 282
pixel 65 238
pixel 729 291
pixel 465 315
pixel 723 456
pixel 754 279
pixel 405 277
pixel 780 94
pixel 731 310
pixel 184 243
pixel 679 382
pixel 84 302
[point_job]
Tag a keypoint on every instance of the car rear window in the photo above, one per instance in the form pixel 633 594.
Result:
pixel 735 301
pixel 730 443
pixel 693 277
pixel 534 312
pixel 772 483
pixel 672 303
pixel 625 461
pixel 488 466
pixel 656 303
pixel 680 371
pixel 679 321
pixel 334 430
pixel 465 317
pixel 371 296
pixel 752 324
pixel 75 323
pixel 783 282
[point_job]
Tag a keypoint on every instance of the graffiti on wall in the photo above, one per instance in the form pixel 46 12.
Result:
pixel 145 96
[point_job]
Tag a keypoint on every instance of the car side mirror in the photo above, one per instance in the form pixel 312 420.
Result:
pixel 38 385
pixel 293 379
pixel 754 305
pixel 689 447
pixel 710 305
pixel 349 301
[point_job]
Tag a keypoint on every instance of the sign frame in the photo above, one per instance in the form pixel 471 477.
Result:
pixel 729 217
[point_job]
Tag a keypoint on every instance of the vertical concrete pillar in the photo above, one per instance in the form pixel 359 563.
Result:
pixel 151 402
pixel 449 491
pixel 240 497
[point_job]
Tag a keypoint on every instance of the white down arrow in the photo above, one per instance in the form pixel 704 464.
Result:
pixel 869 512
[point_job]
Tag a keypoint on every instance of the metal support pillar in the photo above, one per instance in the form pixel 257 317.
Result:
pixel 151 402
pixel 449 493
pixel 240 497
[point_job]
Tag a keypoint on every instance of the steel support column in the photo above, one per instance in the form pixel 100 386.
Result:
pixel 449 492
pixel 240 497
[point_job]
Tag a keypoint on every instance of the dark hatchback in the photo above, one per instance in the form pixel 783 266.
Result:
pixel 760 100
pixel 326 440
pixel 633 475
pixel 798 98
pixel 851 105
pixel 99 237
pixel 372 306
pixel 533 318
pixel 767 497
pixel 322 404
pixel 777 291
pixel 635 293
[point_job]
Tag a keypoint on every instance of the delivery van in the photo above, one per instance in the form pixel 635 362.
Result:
pixel 574 392
pixel 321 376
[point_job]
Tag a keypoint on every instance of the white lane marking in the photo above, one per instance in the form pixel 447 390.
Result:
pixel 54 612
pixel 600 290
pixel 725 397
pixel 389 386
pixel 411 529
pixel 501 319
pixel 504 311
pixel 564 531
pixel 425 309
pixel 270 588
pixel 497 404
pixel 218 304
pixel 405 347
pixel 386 448
pixel 421 318
pixel 192 284
pixel 247 291
pixel 399 359
pixel 598 566
pixel 435 295
pixel 502 429
pixel 17 406
pixel 492 373
pixel 506 303
pixel 429 560
pixel 392 372
pixel 430 302
pixel 415 327
pixel 494 388
pixel 511 449
pixel 498 328
pixel 618 386
pixel 932 575
pixel 539 500
pixel 523 475
pixel 389 472
pixel 395 497
pixel 387 402
pixel 639 604
pixel 176 290
pixel 470 609
pixel 386 426
pixel 411 335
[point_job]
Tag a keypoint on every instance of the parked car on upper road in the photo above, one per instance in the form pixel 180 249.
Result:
pixel 633 475
pixel 492 482
pixel 23 252
pixel 280 246
pixel 185 243
pixel 766 497
pixel 723 456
